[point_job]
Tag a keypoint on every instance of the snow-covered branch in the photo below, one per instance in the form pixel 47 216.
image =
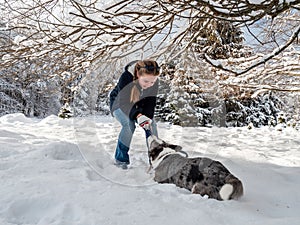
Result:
pixel 276 51
pixel 71 36
pixel 258 62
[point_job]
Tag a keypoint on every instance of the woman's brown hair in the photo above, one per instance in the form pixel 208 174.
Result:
pixel 142 67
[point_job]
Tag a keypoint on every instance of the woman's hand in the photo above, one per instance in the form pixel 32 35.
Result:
pixel 144 121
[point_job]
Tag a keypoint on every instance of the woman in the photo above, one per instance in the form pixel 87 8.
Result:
pixel 134 100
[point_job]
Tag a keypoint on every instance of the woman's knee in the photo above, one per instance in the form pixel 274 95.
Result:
pixel 127 124
pixel 122 118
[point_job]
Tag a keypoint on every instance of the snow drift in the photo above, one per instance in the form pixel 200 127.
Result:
pixel 56 172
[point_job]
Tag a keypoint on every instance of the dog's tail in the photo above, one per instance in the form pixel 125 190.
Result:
pixel 233 189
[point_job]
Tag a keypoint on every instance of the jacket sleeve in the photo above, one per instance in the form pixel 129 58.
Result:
pixel 112 96
pixel 150 102
pixel 146 105
pixel 135 110
pixel 124 80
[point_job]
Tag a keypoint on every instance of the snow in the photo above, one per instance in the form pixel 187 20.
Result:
pixel 256 2
pixel 59 171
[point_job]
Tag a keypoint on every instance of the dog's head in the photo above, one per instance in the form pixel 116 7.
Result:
pixel 157 147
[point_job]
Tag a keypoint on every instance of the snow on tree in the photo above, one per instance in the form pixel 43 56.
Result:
pixel 12 98
pixel 65 112
pixel 70 45
pixel 177 107
pixel 91 31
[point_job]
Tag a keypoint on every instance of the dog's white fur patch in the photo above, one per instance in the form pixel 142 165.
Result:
pixel 193 188
pixel 162 156
pixel 226 191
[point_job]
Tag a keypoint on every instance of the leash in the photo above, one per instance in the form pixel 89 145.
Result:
pixel 148 133
pixel 183 152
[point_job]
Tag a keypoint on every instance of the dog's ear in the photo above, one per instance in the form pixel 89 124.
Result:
pixel 175 147
pixel 155 150
pixel 178 148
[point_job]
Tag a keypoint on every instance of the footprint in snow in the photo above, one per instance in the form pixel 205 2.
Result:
pixel 62 151
pixel 41 211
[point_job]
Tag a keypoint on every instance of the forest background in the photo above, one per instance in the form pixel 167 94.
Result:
pixel 224 63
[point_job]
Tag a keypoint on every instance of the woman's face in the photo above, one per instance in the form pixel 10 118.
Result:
pixel 146 80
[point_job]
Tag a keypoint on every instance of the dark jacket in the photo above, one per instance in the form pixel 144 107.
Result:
pixel 120 97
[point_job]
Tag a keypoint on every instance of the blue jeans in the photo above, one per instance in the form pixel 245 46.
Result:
pixel 125 135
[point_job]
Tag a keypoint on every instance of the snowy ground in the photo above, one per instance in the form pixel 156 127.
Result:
pixel 58 172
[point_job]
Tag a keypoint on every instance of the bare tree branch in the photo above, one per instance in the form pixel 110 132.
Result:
pixel 78 33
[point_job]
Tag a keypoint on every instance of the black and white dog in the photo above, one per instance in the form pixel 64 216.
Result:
pixel 202 176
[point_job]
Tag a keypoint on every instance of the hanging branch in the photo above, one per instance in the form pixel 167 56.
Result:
pixel 88 32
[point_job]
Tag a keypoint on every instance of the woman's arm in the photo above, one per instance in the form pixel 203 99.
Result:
pixel 145 106
pixel 123 81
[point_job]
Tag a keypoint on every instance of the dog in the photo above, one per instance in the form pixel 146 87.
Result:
pixel 202 176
